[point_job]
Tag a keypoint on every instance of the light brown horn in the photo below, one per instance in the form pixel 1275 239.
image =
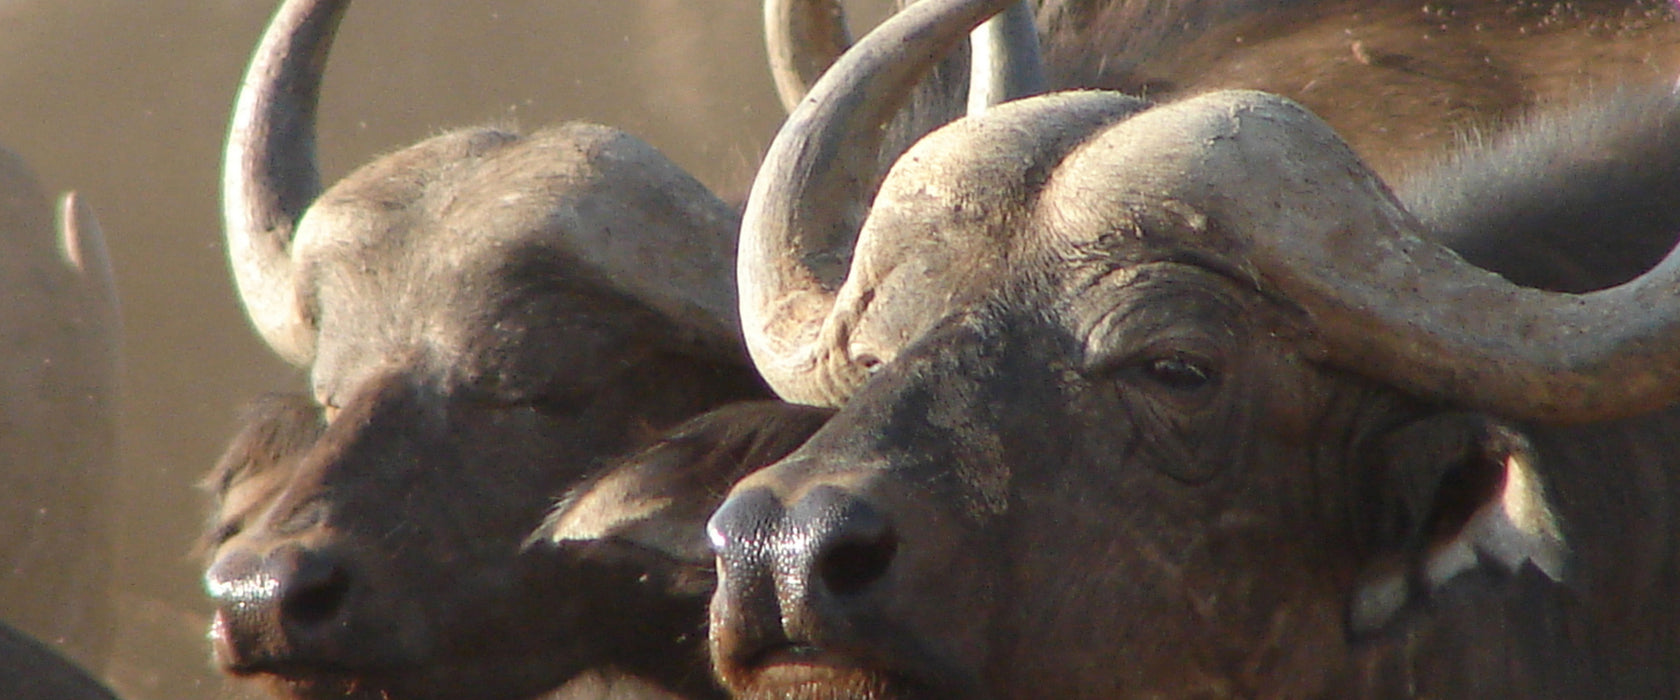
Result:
pixel 269 173
pixel 81 243
pixel 805 37
pixel 813 189
pixel 1308 222
pixel 1391 304
pixel 1005 63
pixel 1429 322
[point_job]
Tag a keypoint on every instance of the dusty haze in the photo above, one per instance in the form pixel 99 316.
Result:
pixel 127 100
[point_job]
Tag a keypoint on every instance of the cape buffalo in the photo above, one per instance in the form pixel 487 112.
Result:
pixel 615 582
pixel 58 388
pixel 485 318
pixel 1399 80
pixel 1182 401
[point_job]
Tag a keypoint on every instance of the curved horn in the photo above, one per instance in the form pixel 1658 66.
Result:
pixel 805 37
pixel 1391 304
pixel 1303 218
pixel 1006 61
pixel 1447 329
pixel 81 242
pixel 269 175
pixel 812 192
pixel 97 321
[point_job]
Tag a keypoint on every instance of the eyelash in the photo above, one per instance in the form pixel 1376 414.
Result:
pixel 1179 372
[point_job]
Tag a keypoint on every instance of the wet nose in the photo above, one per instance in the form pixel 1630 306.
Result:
pixel 827 549
pixel 848 542
pixel 271 605
pixel 742 528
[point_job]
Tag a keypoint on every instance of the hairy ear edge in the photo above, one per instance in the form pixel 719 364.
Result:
pixel 1515 526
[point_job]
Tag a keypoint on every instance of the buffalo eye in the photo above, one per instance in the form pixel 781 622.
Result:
pixel 507 394
pixel 558 404
pixel 224 532
pixel 1179 373
pixel 863 358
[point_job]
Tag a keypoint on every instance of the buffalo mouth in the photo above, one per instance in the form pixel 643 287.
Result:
pixel 321 685
pixel 799 671
pixel 443 681
pixel 287 670
pixel 810 673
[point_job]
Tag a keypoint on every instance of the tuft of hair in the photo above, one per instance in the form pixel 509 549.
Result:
pixel 1569 199
pixel 273 428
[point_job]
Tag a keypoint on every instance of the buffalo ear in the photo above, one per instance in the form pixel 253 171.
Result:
pixel 274 429
pixel 656 499
pixel 1467 496
pixel 660 497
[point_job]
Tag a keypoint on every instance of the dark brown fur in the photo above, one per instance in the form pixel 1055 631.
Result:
pixel 486 318
pixel 1103 465
pixel 423 587
pixel 1400 80
pixel 467 370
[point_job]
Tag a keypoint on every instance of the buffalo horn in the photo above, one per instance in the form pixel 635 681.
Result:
pixel 805 37
pixel 81 242
pixel 1309 223
pixel 1006 61
pixel 812 193
pixel 1409 311
pixel 269 174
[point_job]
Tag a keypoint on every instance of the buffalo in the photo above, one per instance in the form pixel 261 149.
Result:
pixel 486 319
pixel 1400 81
pixel 31 670
pixel 615 580
pixel 58 388
pixel 1182 400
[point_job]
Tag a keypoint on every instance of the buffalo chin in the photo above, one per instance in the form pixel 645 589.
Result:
pixel 810 674
pixel 489 679
pixel 809 682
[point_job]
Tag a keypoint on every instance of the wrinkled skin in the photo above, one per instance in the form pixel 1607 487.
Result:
pixel 1105 460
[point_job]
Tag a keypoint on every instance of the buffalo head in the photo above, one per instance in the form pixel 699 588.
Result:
pixel 484 317
pixel 58 387
pixel 1164 401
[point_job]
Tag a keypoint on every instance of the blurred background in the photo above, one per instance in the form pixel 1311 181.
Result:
pixel 126 101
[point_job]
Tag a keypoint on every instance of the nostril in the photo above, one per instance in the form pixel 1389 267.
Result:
pixel 316 591
pixel 318 602
pixel 848 568
pixel 855 543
